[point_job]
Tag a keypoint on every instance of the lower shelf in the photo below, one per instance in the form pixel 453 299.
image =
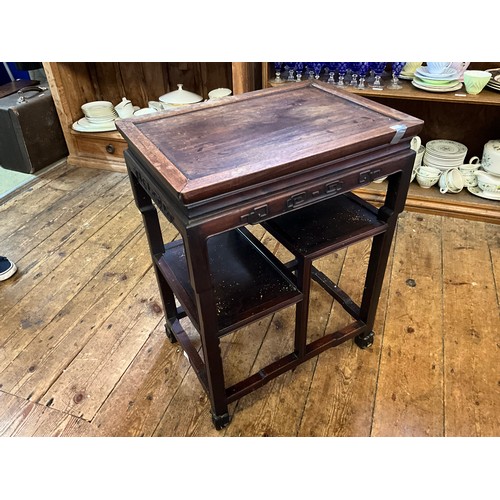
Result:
pixel 248 281
pixel 326 226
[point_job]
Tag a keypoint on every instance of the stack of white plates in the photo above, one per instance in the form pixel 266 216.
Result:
pixel 99 117
pixel 494 82
pixel 444 154
pixel 84 125
pixel 444 82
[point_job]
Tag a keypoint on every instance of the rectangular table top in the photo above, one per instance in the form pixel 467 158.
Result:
pixel 211 148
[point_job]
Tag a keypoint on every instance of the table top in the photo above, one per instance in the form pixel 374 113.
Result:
pixel 212 148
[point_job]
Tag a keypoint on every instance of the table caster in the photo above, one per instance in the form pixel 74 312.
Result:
pixel 221 421
pixel 170 333
pixel 364 341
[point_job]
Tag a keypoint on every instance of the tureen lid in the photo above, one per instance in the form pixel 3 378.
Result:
pixel 180 96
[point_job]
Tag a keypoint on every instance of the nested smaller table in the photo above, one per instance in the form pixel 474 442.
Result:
pixel 287 158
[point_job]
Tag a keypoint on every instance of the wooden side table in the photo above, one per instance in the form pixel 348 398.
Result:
pixel 286 158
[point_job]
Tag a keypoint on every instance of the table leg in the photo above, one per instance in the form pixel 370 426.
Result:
pixel 303 271
pixel 156 247
pixel 379 255
pixel 199 270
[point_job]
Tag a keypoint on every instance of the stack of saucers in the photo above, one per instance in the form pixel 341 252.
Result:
pixel 494 82
pixel 448 81
pixel 444 154
pixel 99 117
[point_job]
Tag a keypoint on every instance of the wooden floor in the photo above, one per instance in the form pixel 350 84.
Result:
pixel 83 350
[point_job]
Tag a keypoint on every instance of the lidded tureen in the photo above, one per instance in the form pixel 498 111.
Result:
pixel 180 97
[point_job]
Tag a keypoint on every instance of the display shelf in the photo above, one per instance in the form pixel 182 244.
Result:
pixel 249 282
pixel 326 226
pixel 486 97
pixel 462 205
pixel 409 92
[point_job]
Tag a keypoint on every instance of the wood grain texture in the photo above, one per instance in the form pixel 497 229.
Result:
pixel 409 400
pixel 470 327
pixel 84 265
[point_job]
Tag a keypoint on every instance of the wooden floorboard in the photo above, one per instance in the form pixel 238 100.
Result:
pixel 83 350
pixel 409 397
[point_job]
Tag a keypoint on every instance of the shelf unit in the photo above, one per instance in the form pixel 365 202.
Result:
pixel 75 83
pixel 472 120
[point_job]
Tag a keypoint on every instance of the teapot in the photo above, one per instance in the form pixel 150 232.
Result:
pixel 125 108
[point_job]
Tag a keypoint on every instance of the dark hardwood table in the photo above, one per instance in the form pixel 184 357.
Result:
pixel 287 158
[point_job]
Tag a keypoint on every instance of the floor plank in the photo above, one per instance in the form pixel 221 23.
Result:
pixel 36 310
pixel 471 326
pixel 42 259
pixel 28 419
pixel 341 396
pixel 409 398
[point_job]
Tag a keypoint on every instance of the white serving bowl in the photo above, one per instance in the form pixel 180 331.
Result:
pixel 219 93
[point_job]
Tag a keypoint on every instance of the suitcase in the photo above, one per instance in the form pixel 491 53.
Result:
pixel 31 136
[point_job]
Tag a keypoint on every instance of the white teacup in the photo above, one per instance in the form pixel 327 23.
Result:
pixel 469 171
pixel 427 176
pixel 427 171
pixel 436 68
pixel 425 181
pixel 451 181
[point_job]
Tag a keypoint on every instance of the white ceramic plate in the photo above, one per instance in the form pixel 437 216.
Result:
pixel 98 121
pixel 83 125
pixel 435 83
pixel 437 89
pixel 484 194
pixel 445 160
pixel 444 147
